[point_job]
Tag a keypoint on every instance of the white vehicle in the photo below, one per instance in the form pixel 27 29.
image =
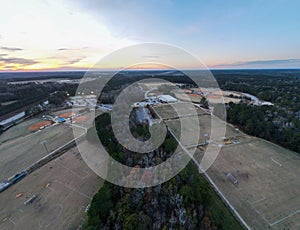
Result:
pixel 87 208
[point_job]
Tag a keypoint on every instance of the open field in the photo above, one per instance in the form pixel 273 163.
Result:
pixel 64 187
pixel 168 111
pixel 18 153
pixel 214 96
pixel 187 123
pixel 187 97
pixel 218 99
pixel 23 128
pixel 267 195
pixel 211 128
pixel 268 192
pixel 149 84
pixel 19 130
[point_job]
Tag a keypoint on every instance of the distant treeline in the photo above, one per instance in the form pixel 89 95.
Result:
pixel 29 93
pixel 28 76
pixel 279 87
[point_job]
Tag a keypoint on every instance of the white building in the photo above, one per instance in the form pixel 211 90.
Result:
pixel 167 99
pixel 13 118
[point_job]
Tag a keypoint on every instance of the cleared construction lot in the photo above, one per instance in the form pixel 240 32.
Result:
pixel 267 192
pixel 64 187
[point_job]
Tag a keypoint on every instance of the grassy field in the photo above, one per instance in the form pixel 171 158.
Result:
pixel 19 130
pixel 267 195
pixel 211 128
pixel 168 111
pixel 64 187
pixel 18 153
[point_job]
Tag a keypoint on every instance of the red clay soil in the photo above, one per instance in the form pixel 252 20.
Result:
pixel 66 115
pixel 37 126
pixel 213 96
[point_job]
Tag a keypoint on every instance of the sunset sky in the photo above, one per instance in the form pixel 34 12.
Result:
pixel 74 34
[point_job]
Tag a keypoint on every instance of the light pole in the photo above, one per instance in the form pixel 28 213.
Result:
pixel 236 133
pixel 45 147
pixel 206 139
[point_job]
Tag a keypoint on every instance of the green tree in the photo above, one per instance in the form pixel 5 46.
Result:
pixel 100 207
pixel 137 222
pixel 204 103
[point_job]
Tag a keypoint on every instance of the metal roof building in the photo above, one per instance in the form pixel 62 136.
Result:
pixel 167 98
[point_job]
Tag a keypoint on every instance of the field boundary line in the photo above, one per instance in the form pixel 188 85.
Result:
pixel 286 217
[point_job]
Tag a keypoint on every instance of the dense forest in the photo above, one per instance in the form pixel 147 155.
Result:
pixel 267 122
pixel 279 123
pixel 280 89
pixel 185 202
pixel 16 96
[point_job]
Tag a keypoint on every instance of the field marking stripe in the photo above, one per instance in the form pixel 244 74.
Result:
pixel 14 223
pixel 73 189
pixel 261 215
pixel 256 201
pixel 282 219
pixel 71 171
pixel 276 162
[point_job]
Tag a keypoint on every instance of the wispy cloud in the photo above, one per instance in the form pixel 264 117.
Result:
pixel 151 56
pixel 276 63
pixel 11 49
pixel 17 61
pixel 75 60
pixel 71 49
pixel 66 59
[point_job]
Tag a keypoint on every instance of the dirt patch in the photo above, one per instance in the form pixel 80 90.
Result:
pixel 37 126
pixel 80 119
pixel 66 115
pixel 213 96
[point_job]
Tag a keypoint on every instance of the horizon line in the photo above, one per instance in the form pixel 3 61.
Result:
pixel 143 69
